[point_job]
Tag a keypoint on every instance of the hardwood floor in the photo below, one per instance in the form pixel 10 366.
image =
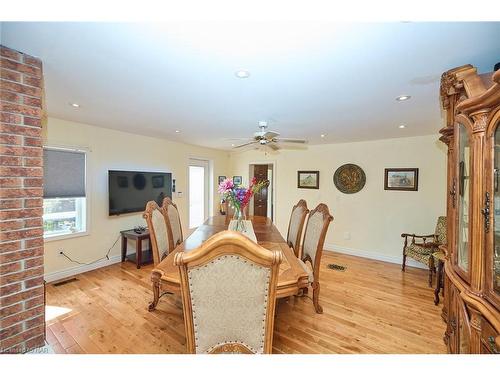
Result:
pixel 372 307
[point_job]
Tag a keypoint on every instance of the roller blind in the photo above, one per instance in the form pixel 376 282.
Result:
pixel 64 173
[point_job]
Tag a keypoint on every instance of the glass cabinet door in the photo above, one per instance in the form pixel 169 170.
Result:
pixel 463 198
pixel 496 214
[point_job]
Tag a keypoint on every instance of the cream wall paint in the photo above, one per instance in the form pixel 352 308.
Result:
pixel 111 149
pixel 374 218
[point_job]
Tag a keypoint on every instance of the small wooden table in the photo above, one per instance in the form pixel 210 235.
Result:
pixel 292 276
pixel 141 257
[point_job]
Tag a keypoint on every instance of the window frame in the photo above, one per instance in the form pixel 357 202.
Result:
pixel 86 232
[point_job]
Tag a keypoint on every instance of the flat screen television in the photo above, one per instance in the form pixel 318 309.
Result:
pixel 129 191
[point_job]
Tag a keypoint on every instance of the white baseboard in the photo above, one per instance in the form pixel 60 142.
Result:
pixel 58 275
pixel 373 255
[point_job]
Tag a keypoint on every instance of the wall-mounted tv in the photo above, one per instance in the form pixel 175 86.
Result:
pixel 129 191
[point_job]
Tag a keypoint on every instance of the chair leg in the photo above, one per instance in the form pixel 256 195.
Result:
pixel 317 307
pixel 432 270
pixel 156 295
pixel 403 266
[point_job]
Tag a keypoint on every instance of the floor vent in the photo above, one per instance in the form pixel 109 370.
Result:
pixel 67 281
pixel 337 267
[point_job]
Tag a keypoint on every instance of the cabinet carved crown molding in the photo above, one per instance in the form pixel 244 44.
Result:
pixel 471 103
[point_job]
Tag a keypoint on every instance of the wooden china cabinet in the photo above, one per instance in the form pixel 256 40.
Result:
pixel 471 102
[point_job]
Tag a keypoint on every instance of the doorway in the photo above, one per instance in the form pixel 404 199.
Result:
pixel 262 202
pixel 198 192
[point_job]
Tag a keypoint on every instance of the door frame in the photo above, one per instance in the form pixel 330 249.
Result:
pixel 208 165
pixel 273 182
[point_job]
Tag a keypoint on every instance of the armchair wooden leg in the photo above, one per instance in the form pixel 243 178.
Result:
pixel 156 295
pixel 317 307
pixel 431 270
pixel 403 266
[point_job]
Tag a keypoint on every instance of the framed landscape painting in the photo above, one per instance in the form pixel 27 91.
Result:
pixel 405 179
pixel 308 179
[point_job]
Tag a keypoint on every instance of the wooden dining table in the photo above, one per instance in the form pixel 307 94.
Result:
pixel 292 276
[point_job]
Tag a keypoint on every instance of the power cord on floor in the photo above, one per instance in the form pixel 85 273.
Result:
pixel 95 261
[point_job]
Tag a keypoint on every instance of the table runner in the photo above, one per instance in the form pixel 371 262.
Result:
pixel 249 232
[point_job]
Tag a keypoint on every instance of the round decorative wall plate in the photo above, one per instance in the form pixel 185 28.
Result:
pixel 349 178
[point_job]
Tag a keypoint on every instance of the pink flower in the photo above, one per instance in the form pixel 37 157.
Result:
pixel 225 185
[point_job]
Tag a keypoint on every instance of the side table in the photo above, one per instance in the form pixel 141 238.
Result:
pixel 141 257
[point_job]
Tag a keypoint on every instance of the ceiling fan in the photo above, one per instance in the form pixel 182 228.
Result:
pixel 269 139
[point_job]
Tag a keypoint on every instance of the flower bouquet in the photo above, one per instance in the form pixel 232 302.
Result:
pixel 239 196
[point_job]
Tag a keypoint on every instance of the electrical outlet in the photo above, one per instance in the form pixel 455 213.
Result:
pixel 347 235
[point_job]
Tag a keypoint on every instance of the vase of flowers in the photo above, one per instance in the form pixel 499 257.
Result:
pixel 239 196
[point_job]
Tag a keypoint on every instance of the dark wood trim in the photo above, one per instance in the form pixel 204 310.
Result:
pixel 386 178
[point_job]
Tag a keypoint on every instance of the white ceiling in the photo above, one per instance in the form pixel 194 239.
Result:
pixel 306 78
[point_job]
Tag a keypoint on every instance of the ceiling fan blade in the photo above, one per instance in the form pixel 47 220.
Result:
pixel 245 144
pixel 237 139
pixel 273 146
pixel 290 140
pixel 270 134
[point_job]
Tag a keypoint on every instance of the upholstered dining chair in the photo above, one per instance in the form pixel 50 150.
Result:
pixel 296 226
pixel 312 248
pixel 422 247
pixel 157 225
pixel 174 227
pixel 228 288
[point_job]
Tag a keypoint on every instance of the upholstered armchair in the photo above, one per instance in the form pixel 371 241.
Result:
pixel 296 226
pixel 157 225
pixel 421 247
pixel 228 288
pixel 312 249
pixel 174 227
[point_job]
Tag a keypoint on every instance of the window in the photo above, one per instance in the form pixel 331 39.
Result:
pixel 65 201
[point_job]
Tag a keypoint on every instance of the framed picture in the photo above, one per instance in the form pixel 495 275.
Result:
pixel 158 182
pixel 308 179
pixel 221 178
pixel 237 180
pixel 405 179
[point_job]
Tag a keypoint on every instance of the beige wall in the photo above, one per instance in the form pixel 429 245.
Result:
pixel 110 149
pixel 370 222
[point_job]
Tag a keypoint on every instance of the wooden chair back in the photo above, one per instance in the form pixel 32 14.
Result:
pixel 173 223
pixel 228 288
pixel 296 226
pixel 158 232
pixel 314 237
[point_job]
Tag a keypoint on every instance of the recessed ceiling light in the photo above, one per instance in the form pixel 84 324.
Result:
pixel 323 135
pixel 242 73
pixel 232 144
pixel 177 131
pixel 74 105
pixel 402 98
pixel 402 126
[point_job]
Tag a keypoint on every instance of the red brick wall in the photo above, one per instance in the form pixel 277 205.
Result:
pixel 22 315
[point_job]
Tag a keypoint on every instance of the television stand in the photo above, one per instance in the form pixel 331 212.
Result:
pixel 141 257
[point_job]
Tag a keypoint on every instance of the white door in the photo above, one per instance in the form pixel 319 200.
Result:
pixel 198 192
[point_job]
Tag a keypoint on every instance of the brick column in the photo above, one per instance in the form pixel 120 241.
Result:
pixel 22 310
